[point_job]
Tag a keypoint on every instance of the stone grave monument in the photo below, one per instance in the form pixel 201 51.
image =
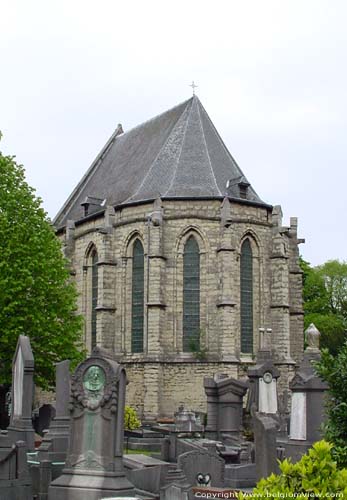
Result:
pixel 94 466
pixel 202 467
pixel 308 390
pixel 224 405
pixel 263 378
pixel 55 442
pixel 21 428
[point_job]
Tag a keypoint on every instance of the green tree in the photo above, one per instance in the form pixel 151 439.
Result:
pixel 37 297
pixel 325 301
pixel 333 369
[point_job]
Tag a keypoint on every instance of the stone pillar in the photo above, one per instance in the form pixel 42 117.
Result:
pixel 20 428
pixel 151 389
pixel 106 285
pixel 156 263
pixel 226 302
pixel 280 297
pixel 295 293
pixel 94 465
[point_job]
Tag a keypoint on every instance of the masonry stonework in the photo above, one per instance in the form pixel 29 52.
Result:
pixel 164 376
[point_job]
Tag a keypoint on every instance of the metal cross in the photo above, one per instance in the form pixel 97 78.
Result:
pixel 193 87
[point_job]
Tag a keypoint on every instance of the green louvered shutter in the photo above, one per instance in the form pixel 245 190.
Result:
pixel 246 298
pixel 94 295
pixel 191 296
pixel 137 310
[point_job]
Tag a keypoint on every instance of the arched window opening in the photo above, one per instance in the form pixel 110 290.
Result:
pixel 137 307
pixel 94 259
pixel 191 296
pixel 246 280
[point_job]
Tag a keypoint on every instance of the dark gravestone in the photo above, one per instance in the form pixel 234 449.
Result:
pixel 94 466
pixel 55 442
pixel 224 405
pixel 265 430
pixel 45 415
pixel 200 465
pixel 4 413
pixel 20 427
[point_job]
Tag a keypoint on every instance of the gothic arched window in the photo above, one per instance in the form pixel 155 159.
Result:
pixel 137 294
pixel 94 262
pixel 191 295
pixel 246 282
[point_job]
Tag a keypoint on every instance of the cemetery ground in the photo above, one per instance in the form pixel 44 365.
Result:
pixel 85 453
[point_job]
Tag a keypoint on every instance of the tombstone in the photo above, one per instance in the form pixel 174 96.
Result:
pixel 199 464
pixel 308 392
pixel 4 407
pixel 263 381
pixel 185 421
pixel 55 441
pixel 20 428
pixel 44 416
pixel 94 466
pixel 224 405
pixel 177 486
pixel 265 431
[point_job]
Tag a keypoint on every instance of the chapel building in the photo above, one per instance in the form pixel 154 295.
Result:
pixel 178 262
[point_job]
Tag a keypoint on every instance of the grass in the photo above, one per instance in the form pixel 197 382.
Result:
pixel 138 452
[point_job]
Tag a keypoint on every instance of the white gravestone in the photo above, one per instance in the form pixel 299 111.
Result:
pixel 267 394
pixel 18 384
pixel 298 428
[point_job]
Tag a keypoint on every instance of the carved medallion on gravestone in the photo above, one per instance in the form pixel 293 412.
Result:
pixel 202 465
pixel 94 400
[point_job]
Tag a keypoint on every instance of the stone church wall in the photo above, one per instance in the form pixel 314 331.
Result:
pixel 163 377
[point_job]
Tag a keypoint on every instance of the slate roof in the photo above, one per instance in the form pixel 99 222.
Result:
pixel 178 154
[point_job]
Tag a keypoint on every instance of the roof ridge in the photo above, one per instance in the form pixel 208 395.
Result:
pixel 179 156
pixel 221 140
pixel 208 155
pixel 156 117
pixel 159 152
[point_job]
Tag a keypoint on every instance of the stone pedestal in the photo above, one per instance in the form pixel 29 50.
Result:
pixel 94 466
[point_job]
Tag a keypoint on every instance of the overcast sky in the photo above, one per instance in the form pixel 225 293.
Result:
pixel 271 74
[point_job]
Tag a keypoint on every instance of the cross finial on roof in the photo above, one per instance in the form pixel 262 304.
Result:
pixel 193 86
